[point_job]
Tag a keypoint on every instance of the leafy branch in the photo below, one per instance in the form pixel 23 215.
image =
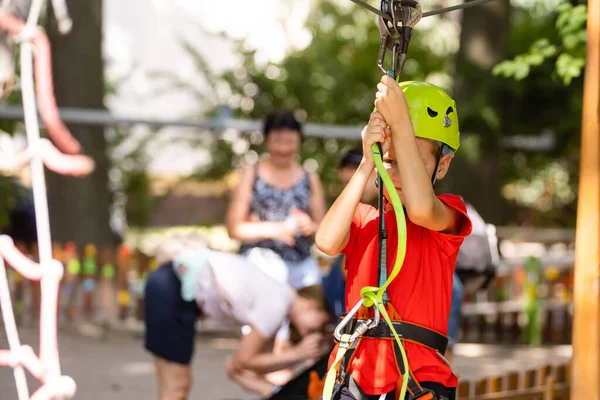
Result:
pixel 569 54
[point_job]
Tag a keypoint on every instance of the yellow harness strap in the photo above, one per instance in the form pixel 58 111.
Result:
pixel 333 370
pixel 373 296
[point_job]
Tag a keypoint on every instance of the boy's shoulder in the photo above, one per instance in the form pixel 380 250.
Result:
pixel 452 199
pixel 365 212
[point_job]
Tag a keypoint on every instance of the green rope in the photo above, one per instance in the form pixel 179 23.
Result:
pixel 374 296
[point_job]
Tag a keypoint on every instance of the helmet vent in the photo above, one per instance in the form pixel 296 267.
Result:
pixel 447 120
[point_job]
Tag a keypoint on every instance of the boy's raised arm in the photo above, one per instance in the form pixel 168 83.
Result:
pixel 422 205
pixel 334 231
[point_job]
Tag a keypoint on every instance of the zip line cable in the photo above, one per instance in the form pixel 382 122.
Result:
pixel 466 4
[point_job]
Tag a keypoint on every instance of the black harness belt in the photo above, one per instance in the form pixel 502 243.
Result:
pixel 406 331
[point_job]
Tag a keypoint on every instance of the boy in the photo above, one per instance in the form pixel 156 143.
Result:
pixel 417 125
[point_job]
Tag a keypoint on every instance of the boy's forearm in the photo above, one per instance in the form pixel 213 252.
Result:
pixel 333 230
pixel 417 188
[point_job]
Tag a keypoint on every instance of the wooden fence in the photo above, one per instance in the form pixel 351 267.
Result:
pixel 99 285
pixel 106 286
pixel 499 314
pixel 549 382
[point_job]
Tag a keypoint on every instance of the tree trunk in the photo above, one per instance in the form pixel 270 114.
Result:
pixel 483 44
pixel 79 207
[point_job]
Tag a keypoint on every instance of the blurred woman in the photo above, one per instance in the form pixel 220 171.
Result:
pixel 275 211
pixel 277 206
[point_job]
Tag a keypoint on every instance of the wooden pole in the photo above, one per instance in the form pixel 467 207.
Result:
pixel 586 324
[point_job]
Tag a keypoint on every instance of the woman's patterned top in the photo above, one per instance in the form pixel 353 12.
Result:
pixel 273 204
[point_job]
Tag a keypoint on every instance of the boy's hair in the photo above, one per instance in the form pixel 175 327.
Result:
pixel 281 119
pixel 351 158
pixel 446 150
pixel 315 293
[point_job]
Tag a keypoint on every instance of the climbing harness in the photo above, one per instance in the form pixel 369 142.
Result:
pixel 396 20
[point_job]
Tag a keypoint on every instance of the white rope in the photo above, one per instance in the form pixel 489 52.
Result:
pixel 48 353
pixel 62 16
pixel 34 13
pixel 47 367
pixel 32 128
pixel 14 344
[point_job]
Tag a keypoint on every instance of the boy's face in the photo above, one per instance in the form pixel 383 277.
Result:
pixel 428 151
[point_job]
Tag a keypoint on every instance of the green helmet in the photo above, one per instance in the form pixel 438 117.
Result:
pixel 432 113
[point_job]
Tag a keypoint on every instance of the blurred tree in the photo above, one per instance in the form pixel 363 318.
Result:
pixel 332 80
pixel 79 208
pixel 568 49
pixel 542 185
pixel 512 183
pixel 483 43
pixel 131 184
pixel 13 197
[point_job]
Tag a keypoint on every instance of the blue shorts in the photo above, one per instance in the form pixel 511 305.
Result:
pixel 170 321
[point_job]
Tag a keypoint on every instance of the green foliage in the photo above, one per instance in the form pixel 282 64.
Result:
pixel 134 183
pixel 140 204
pixel 536 186
pixel 333 81
pixel 569 54
pixel 132 190
pixel 11 195
pixel 13 99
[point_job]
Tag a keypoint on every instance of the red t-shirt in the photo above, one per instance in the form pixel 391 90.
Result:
pixel 421 293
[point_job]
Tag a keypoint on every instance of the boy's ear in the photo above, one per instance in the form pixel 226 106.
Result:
pixel 443 167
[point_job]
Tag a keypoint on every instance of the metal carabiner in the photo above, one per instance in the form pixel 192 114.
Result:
pixel 396 32
pixel 398 58
pixel 337 333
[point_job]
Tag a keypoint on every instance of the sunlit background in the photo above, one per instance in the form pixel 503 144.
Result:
pixel 221 66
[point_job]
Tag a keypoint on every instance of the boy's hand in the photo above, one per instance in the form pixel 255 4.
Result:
pixel 376 132
pixel 391 102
